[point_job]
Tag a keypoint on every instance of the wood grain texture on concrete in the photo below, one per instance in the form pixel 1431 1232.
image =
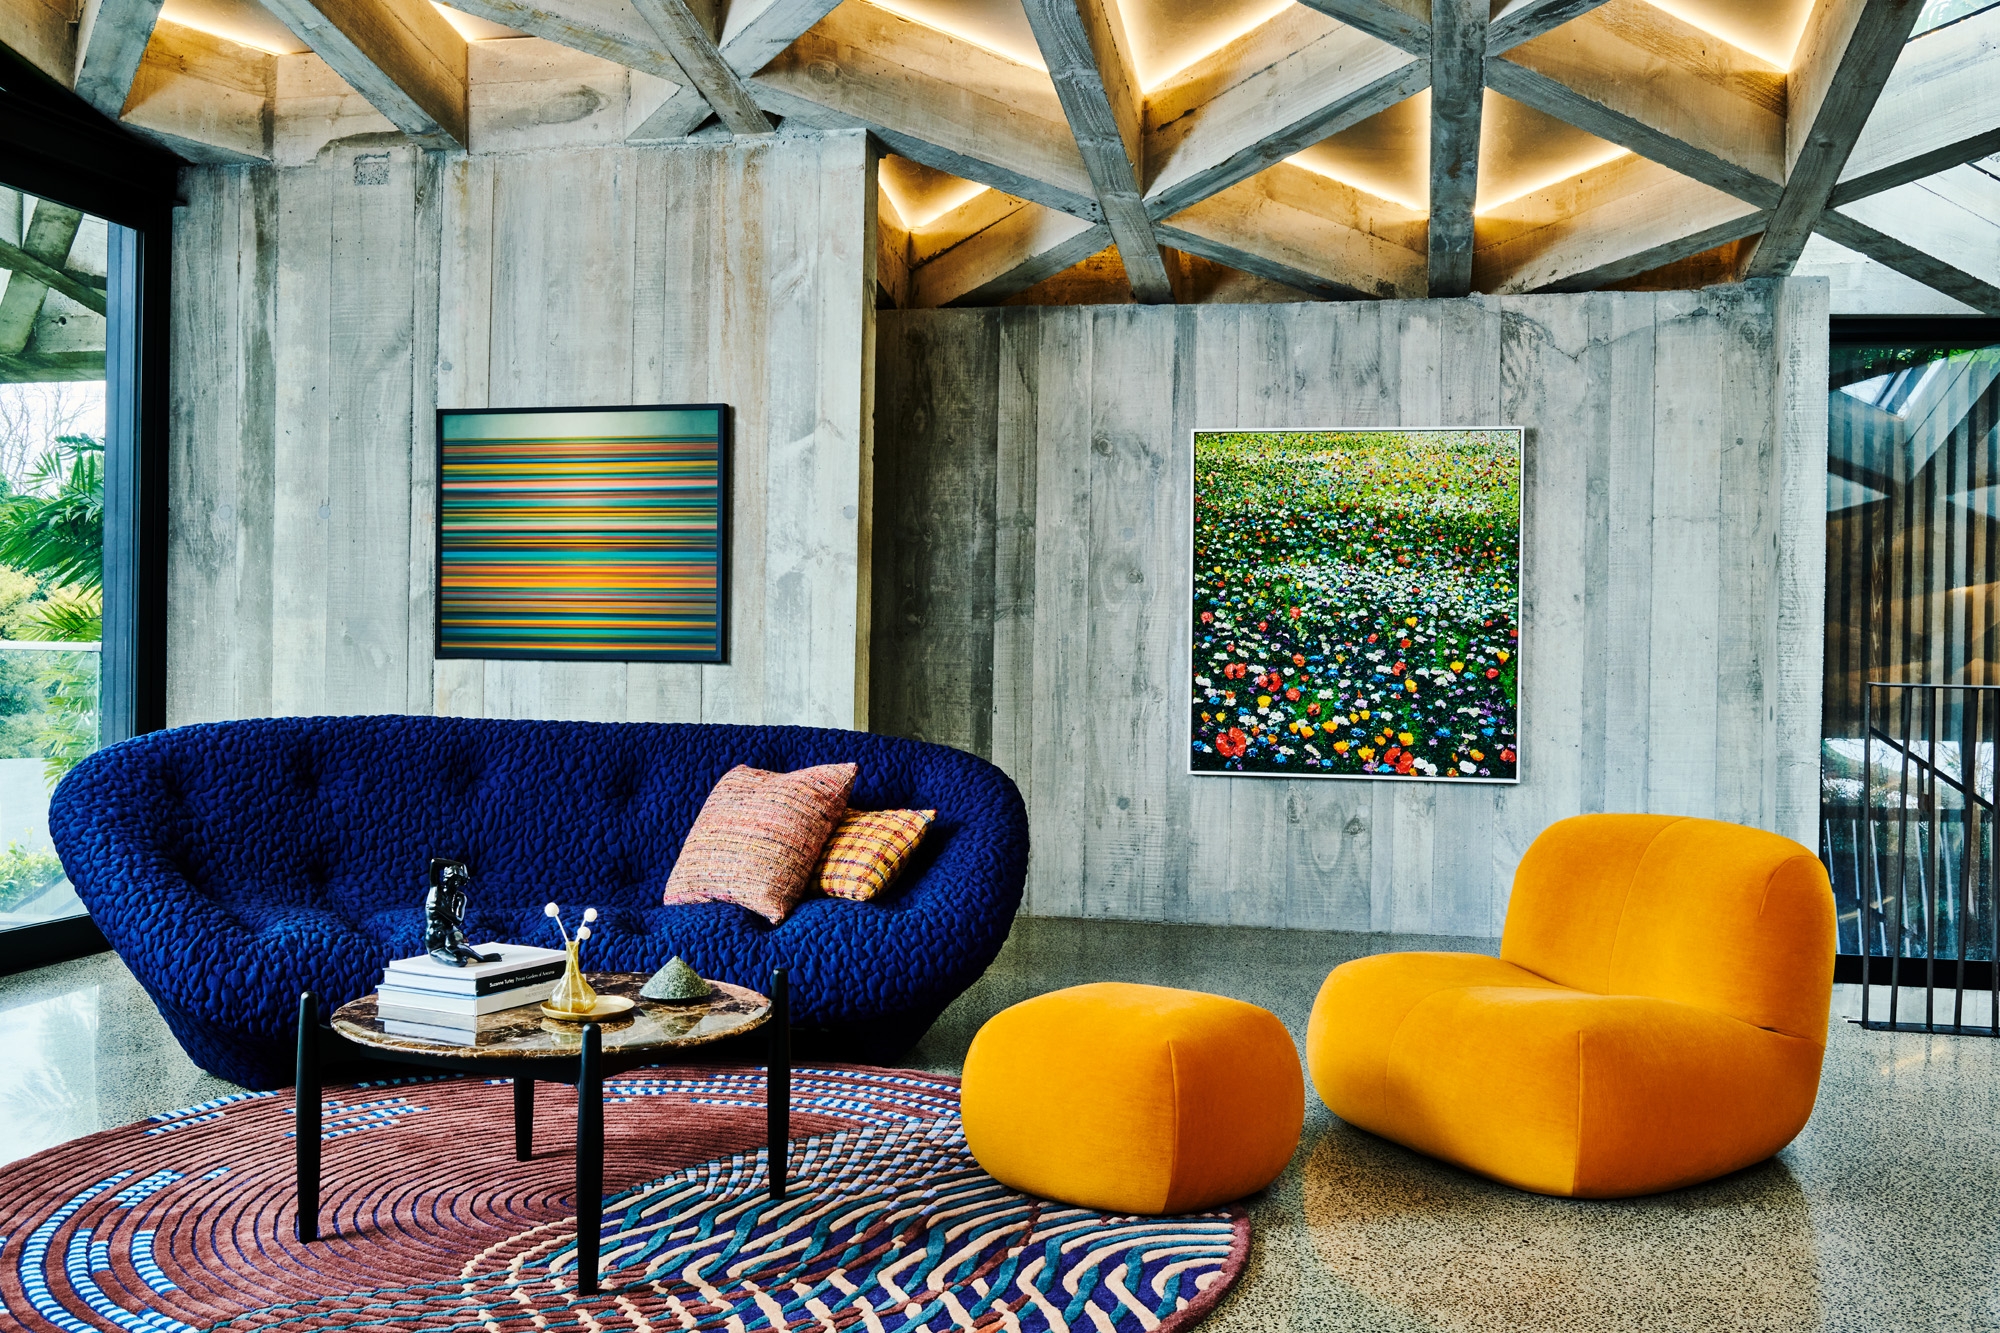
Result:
pixel 1032 543
pixel 338 303
pixel 111 37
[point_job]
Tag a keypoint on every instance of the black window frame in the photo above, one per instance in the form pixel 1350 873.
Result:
pixel 56 146
pixel 1915 331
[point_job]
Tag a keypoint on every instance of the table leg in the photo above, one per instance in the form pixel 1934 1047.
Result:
pixel 306 1119
pixel 524 1119
pixel 589 1159
pixel 778 1084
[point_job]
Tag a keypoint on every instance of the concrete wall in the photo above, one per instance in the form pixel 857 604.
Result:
pixel 1032 534
pixel 1026 484
pixel 324 310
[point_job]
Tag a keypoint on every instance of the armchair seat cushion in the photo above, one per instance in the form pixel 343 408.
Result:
pixel 1656 1017
pixel 1486 1065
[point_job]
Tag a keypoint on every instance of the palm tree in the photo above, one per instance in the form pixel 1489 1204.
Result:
pixel 52 529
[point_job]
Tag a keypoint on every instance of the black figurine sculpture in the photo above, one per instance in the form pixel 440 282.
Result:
pixel 444 915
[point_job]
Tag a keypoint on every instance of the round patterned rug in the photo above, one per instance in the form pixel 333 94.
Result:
pixel 184 1222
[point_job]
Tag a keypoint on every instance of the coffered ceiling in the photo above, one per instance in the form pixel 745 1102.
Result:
pixel 1343 148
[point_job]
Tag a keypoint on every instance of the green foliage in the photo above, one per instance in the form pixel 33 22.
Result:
pixel 68 731
pixel 53 528
pixel 52 590
pixel 17 592
pixel 67 615
pixel 1468 479
pixel 26 875
pixel 21 691
pixel 1854 364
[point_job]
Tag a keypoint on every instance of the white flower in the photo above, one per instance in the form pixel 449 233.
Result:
pixel 551 910
pixel 590 914
pixel 583 932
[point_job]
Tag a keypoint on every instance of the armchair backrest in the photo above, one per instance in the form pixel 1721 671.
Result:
pixel 1715 915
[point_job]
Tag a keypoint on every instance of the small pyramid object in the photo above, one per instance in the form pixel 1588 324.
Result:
pixel 676 981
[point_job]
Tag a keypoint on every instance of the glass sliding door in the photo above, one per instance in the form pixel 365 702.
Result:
pixel 86 245
pixel 1913 600
pixel 55 311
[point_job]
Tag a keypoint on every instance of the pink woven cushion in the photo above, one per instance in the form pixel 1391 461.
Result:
pixel 758 837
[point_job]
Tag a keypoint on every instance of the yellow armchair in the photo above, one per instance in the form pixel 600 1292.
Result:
pixel 1656 1017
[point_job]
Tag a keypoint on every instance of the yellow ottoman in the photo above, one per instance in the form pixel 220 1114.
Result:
pixel 1133 1099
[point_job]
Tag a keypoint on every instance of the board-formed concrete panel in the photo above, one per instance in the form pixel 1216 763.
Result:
pixel 1032 538
pixel 324 311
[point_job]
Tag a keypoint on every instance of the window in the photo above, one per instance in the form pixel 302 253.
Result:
pixel 85 234
pixel 1912 597
pixel 1938 13
pixel 52 340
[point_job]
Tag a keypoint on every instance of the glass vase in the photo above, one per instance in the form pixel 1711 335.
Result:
pixel 573 994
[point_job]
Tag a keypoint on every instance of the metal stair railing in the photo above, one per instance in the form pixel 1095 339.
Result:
pixel 1956 890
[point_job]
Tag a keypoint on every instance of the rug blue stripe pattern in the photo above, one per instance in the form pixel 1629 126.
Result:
pixel 80 1264
pixel 889 1226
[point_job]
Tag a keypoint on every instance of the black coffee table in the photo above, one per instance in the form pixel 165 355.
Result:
pixel 522 1045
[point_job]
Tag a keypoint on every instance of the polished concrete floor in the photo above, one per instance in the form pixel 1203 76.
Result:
pixel 82 1048
pixel 1884 1216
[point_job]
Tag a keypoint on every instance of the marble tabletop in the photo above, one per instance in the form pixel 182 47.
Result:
pixel 524 1033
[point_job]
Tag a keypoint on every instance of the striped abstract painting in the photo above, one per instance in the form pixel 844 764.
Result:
pixel 582 534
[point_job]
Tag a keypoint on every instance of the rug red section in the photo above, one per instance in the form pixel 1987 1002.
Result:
pixel 185 1222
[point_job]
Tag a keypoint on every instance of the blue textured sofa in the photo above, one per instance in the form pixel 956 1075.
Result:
pixel 234 864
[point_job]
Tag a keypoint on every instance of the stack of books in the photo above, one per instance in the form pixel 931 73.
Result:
pixel 421 997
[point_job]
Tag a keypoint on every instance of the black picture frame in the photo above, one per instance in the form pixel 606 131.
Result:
pixel 724 447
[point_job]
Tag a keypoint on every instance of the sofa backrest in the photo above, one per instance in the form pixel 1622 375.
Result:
pixel 282 821
pixel 1715 915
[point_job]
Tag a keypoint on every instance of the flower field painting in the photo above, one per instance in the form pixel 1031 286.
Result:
pixel 1357 604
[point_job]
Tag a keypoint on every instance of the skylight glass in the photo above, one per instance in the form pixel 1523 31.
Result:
pixel 1937 13
pixel 1893 392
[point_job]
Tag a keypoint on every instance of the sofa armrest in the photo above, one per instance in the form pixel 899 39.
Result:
pixel 937 930
pixel 194 956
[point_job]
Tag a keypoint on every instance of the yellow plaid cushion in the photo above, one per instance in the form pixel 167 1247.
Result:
pixel 866 850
